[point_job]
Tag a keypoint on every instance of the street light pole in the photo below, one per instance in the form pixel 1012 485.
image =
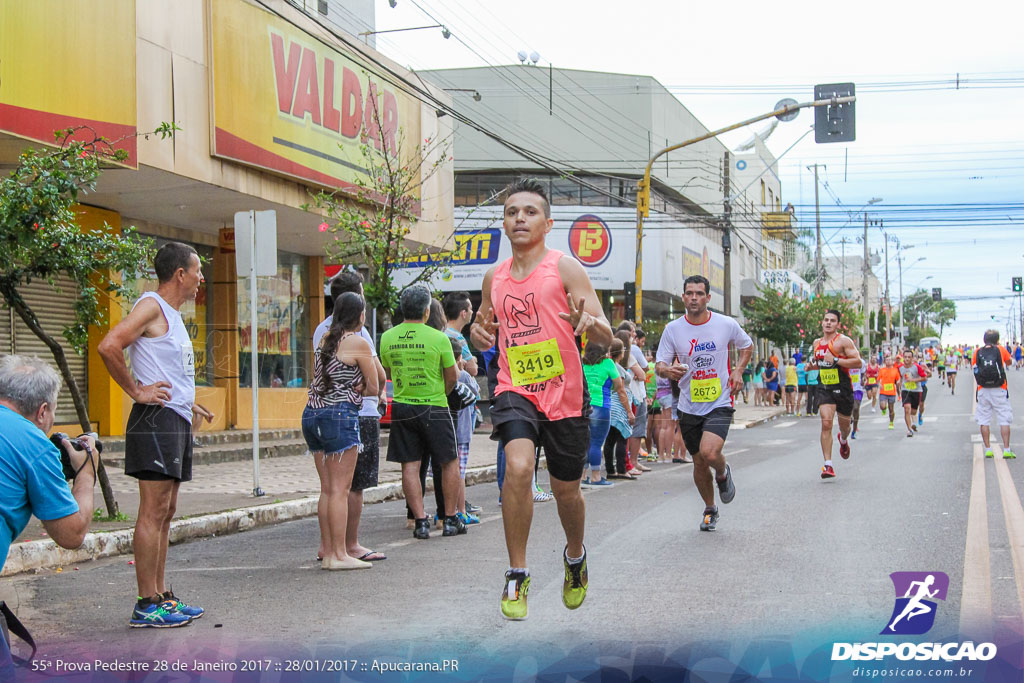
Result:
pixel 866 342
pixel 643 190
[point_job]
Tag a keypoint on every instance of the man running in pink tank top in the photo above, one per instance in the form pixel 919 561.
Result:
pixel 542 300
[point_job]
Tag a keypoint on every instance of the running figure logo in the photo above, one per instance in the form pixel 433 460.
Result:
pixel 914 612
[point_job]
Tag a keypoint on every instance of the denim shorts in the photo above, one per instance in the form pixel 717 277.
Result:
pixel 333 429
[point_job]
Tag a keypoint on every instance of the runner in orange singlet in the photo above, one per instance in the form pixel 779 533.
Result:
pixel 834 354
pixel 543 300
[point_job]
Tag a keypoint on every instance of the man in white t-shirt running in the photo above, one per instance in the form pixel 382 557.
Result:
pixel 694 351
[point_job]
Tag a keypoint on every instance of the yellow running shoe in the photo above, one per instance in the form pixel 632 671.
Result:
pixel 574 587
pixel 513 598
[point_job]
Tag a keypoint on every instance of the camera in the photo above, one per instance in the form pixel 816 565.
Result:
pixel 78 442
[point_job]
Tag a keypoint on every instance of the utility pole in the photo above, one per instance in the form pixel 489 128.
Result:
pixel 819 285
pixel 843 262
pixel 727 236
pixel 864 286
pixel 888 300
pixel 899 261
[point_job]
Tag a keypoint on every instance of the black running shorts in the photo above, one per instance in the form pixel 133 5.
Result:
pixel 692 427
pixel 564 441
pixel 841 397
pixel 418 430
pixel 913 398
pixel 157 444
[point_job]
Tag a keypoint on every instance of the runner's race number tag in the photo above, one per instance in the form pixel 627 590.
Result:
pixel 830 376
pixel 705 390
pixel 534 363
pixel 889 388
pixel 872 380
pixel 188 360
pixel 910 386
pixel 855 377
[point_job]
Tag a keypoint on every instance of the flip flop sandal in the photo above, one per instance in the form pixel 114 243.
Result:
pixel 365 557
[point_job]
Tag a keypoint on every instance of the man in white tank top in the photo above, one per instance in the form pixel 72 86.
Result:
pixel 158 439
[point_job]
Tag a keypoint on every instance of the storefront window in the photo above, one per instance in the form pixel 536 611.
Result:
pixel 283 331
pixel 197 315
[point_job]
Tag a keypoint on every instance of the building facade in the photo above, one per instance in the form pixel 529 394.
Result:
pixel 592 134
pixel 272 103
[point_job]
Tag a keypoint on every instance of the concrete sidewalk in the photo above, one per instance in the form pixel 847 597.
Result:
pixel 219 500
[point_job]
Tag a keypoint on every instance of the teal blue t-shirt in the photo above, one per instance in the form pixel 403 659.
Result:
pixel 31 481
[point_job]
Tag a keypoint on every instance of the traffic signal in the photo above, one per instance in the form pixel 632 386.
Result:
pixel 936 293
pixel 629 290
pixel 643 197
pixel 834 122
pixel 1017 284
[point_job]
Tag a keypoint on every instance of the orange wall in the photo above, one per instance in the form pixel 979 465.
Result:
pixel 279 408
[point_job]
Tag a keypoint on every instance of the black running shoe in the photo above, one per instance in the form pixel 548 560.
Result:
pixel 726 489
pixel 453 526
pixel 422 530
pixel 709 521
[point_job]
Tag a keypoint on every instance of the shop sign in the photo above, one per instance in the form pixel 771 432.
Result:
pixel 286 102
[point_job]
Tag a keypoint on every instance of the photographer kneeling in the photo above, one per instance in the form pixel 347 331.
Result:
pixel 31 479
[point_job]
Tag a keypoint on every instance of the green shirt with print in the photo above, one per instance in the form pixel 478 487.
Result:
pixel 415 353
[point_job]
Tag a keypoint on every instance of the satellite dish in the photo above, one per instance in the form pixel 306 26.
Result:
pixel 522 56
pixel 534 57
pixel 790 115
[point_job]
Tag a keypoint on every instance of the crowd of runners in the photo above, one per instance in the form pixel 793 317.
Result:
pixel 560 381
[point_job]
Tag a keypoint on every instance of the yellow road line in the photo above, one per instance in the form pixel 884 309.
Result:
pixel 1013 512
pixel 976 598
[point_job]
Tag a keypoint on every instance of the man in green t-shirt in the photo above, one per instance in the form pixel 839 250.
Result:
pixel 419 361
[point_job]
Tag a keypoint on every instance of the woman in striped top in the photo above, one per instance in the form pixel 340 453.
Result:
pixel 343 372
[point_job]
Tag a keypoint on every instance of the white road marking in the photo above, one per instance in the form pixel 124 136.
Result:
pixel 976 597
pixel 736 452
pixel 783 424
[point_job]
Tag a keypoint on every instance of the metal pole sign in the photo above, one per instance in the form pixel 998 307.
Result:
pixel 255 256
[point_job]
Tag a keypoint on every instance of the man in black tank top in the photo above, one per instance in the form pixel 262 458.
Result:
pixel 833 355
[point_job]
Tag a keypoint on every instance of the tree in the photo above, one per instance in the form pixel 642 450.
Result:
pixel 776 317
pixel 42 242
pixel 924 313
pixel 371 224
pixel 851 320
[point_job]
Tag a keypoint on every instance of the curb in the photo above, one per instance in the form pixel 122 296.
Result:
pixel 45 554
pixel 755 423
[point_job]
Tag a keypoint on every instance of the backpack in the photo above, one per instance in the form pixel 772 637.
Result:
pixel 988 371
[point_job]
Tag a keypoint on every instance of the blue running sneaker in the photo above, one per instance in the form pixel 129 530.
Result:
pixel 468 518
pixel 187 610
pixel 157 615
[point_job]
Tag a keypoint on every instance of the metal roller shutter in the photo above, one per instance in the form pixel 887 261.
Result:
pixel 55 310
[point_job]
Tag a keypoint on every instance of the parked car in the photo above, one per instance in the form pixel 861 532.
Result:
pixel 385 418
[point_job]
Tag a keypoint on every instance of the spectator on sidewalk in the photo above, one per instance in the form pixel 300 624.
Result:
pixel 344 371
pixel 465 419
pixel 32 482
pixel 366 474
pixel 421 365
pixel 158 435
pixel 458 310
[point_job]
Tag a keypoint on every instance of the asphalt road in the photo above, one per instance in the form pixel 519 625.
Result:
pixel 795 564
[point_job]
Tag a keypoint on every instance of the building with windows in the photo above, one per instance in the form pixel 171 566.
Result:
pixel 273 103
pixel 588 136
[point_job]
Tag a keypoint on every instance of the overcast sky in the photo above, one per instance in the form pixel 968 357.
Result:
pixel 948 163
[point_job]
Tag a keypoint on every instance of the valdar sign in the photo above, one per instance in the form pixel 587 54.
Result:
pixel 302 91
pixel 291 103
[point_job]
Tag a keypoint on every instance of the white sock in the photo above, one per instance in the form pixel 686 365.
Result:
pixel 828 463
